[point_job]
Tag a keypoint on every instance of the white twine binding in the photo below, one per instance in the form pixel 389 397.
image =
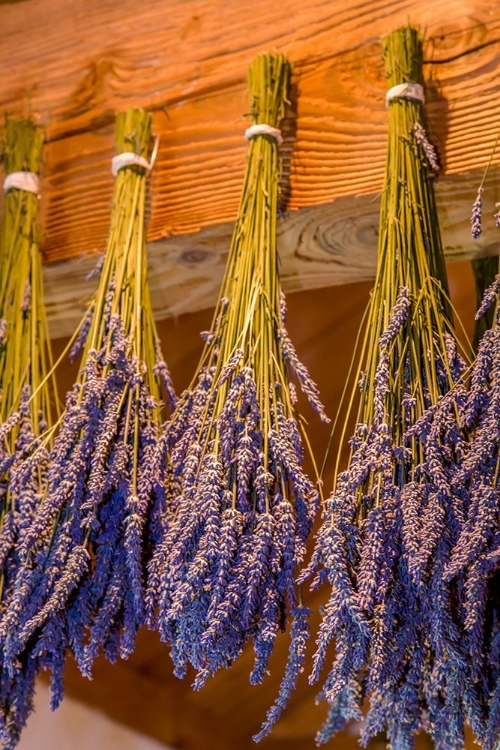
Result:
pixel 131 159
pixel 263 129
pixel 27 181
pixel 405 91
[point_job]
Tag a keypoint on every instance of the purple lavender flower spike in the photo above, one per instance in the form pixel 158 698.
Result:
pixel 427 147
pixel 3 330
pixel 490 296
pixel 477 212
pixel 398 317
pixel 307 385
pixel 298 641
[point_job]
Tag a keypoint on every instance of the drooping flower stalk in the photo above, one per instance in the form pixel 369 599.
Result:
pixel 474 566
pixel 392 519
pixel 223 571
pixel 82 582
pixel 28 404
pixel 476 220
pixel 485 271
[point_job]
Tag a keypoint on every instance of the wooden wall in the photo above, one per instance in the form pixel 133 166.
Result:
pixel 73 64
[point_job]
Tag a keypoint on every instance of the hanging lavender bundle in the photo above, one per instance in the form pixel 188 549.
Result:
pixel 485 271
pixel 223 571
pixel 27 394
pixel 392 520
pixel 474 566
pixel 82 582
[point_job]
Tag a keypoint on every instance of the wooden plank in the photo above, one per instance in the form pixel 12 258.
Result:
pixel 320 246
pixel 88 62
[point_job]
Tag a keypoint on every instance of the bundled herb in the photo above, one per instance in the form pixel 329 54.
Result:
pixel 476 220
pixel 27 394
pixel 82 582
pixel 223 571
pixel 392 520
pixel 485 271
pixel 474 566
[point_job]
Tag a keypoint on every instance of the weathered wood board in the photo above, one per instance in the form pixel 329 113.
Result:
pixel 320 246
pixel 72 66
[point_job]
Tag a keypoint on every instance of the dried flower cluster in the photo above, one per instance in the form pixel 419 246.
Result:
pixel 81 584
pixel 393 519
pixel 198 525
pixel 223 571
pixel 27 398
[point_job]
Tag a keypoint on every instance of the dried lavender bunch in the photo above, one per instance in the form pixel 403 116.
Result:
pixel 477 214
pixel 474 567
pixel 485 271
pixel 223 571
pixel 391 521
pixel 82 582
pixel 27 394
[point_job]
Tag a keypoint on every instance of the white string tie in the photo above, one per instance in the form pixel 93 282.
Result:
pixel 406 91
pixel 262 129
pixel 131 159
pixel 27 181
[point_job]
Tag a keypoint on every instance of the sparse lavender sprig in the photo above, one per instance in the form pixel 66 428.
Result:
pixel 96 270
pixel 398 317
pixel 496 215
pixel 426 146
pixel 477 213
pixel 3 330
pixel 490 297
pixel 26 297
pixel 83 332
pixel 223 570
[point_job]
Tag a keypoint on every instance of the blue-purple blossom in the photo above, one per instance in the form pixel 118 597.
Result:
pixel 490 296
pixel 427 147
pixel 477 213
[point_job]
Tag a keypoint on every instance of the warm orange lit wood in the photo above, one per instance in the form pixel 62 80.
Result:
pixel 74 65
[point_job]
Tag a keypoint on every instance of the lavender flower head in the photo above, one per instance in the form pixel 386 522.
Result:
pixel 427 147
pixel 477 212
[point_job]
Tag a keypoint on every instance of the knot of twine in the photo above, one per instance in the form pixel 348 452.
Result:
pixel 263 129
pixel 405 91
pixel 27 181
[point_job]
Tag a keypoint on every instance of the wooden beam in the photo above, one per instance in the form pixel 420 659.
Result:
pixel 320 246
pixel 188 64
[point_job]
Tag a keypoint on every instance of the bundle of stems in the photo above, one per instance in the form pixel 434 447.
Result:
pixel 485 271
pixel 28 403
pixel 391 522
pixel 223 572
pixel 82 581
pixel 474 564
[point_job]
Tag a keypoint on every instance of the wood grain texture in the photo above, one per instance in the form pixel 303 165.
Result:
pixel 188 62
pixel 73 64
pixel 320 246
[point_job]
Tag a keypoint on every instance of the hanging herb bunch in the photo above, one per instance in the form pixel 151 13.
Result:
pixel 474 564
pixel 82 581
pixel 27 394
pixel 485 271
pixel 391 522
pixel 223 572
